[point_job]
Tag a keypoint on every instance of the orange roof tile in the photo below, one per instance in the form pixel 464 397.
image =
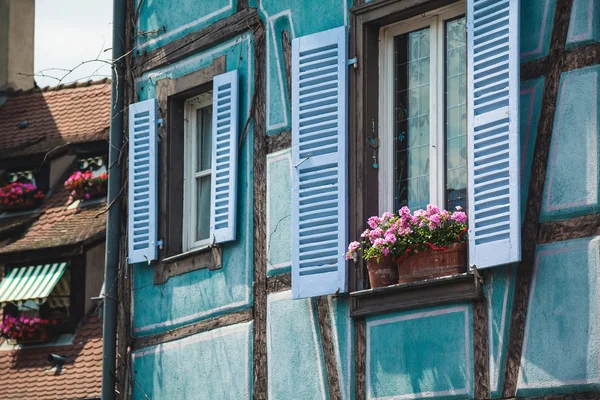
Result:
pixel 27 374
pixel 66 114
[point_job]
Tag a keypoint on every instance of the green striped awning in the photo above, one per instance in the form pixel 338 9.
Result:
pixel 30 283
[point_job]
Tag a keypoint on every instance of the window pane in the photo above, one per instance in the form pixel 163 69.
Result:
pixel 204 142
pixel 456 113
pixel 411 118
pixel 203 210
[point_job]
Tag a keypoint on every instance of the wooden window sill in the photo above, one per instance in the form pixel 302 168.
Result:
pixel 205 257
pixel 405 296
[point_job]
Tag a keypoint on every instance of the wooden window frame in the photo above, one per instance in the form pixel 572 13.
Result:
pixel 172 94
pixel 190 200
pixel 363 181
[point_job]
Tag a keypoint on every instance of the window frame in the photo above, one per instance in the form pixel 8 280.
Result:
pixel 190 175
pixel 435 20
pixel 363 181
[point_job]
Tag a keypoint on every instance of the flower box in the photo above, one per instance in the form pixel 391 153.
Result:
pixel 426 244
pixel 86 186
pixel 431 263
pixel 24 329
pixel 19 196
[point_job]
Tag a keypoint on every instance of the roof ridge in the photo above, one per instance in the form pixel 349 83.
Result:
pixel 74 85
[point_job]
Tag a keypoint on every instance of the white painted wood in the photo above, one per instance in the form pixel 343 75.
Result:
pixel 142 200
pixel 224 157
pixel 493 132
pixel 434 20
pixel 319 159
pixel 190 175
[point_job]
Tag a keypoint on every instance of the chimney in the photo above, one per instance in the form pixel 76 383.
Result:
pixel 17 19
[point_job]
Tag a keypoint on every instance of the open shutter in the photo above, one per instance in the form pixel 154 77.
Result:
pixel 224 157
pixel 319 192
pixel 493 121
pixel 142 181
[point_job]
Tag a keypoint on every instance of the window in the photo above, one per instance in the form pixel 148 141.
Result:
pixel 197 170
pixel 96 165
pixel 423 114
pixel 22 176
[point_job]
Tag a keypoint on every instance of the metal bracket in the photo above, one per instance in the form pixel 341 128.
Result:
pixel 160 122
pixel 160 244
pixel 301 161
pixel 353 62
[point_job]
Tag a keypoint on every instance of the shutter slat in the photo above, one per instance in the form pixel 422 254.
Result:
pixel 142 204
pixel 225 126
pixel 319 192
pixel 493 121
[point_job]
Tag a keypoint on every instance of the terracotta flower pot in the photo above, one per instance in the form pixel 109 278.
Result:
pixel 433 264
pixel 383 273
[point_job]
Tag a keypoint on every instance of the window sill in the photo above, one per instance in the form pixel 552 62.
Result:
pixel 405 296
pixel 204 257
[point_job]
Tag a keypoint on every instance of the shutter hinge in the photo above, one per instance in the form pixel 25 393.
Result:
pixel 353 62
pixel 160 121
pixel 160 244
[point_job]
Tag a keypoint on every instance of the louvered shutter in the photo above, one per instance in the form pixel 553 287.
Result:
pixel 142 181
pixel 493 121
pixel 319 192
pixel 224 157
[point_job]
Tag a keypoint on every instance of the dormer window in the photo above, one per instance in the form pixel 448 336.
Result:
pixel 90 181
pixel 21 193
pixel 27 176
pixel 94 164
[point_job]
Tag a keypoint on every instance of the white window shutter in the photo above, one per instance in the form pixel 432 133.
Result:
pixel 142 202
pixel 224 157
pixel 319 154
pixel 493 128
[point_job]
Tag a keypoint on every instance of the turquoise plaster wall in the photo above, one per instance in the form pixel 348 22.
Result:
pixel 420 353
pixel 560 347
pixel 202 294
pixel 214 365
pixel 295 363
pixel 166 21
pixel 584 26
pixel 279 212
pixel 293 16
pixel 572 179
pixel 536 28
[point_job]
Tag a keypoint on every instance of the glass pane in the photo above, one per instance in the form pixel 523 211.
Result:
pixel 203 210
pixel 204 141
pixel 456 113
pixel 411 118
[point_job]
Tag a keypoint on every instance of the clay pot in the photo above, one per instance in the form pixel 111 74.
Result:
pixel 383 273
pixel 433 264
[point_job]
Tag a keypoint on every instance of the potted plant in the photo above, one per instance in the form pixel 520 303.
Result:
pixel 20 196
pixel 427 244
pixel 23 329
pixel 434 244
pixel 85 186
pixel 376 250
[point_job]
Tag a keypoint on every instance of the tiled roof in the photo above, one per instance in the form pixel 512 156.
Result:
pixel 55 117
pixel 58 226
pixel 26 373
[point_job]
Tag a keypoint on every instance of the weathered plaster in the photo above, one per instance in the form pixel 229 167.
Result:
pixel 294 353
pixel 561 346
pixel 203 294
pixel 162 22
pixel 584 26
pixel 214 365
pixel 420 353
pixel 536 28
pixel 572 180
pixel 279 212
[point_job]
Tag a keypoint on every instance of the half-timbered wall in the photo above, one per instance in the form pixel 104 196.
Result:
pixel 235 332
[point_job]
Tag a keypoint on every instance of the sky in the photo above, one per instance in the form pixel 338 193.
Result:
pixel 68 32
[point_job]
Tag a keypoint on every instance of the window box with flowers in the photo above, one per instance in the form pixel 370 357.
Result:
pixel 24 330
pixel 409 252
pixel 87 185
pixel 18 196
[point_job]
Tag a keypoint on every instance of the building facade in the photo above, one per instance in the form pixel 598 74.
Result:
pixel 235 282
